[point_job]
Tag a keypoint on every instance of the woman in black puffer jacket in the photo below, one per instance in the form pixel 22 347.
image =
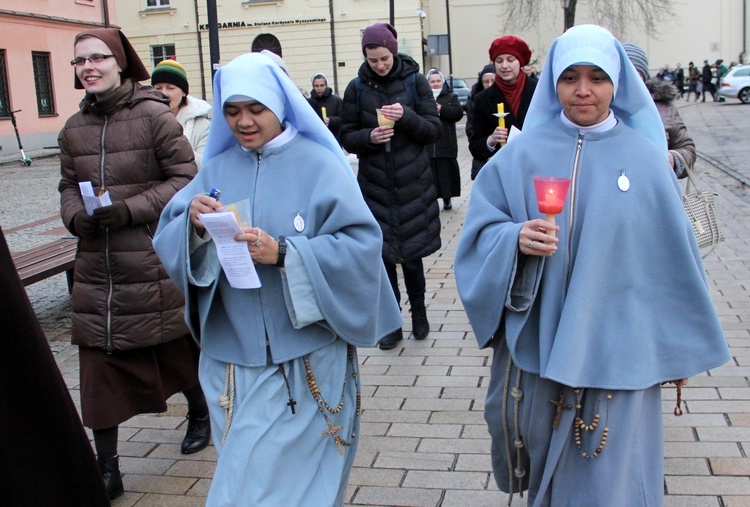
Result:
pixel 394 168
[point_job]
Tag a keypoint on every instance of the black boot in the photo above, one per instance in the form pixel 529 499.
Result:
pixel 110 469
pixel 420 328
pixel 390 341
pixel 198 434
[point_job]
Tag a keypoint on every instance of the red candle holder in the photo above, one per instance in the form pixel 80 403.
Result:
pixel 551 193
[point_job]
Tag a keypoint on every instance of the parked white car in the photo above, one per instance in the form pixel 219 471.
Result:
pixel 736 84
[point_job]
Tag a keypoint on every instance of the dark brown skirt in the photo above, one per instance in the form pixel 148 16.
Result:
pixel 117 386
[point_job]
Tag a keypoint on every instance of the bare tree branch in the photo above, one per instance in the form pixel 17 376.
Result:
pixel 616 15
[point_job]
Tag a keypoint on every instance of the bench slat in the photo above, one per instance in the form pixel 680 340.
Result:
pixel 44 261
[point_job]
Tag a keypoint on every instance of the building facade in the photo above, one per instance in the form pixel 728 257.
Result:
pixel 36 47
pixel 324 35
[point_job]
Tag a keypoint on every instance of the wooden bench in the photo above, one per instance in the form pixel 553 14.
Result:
pixel 47 260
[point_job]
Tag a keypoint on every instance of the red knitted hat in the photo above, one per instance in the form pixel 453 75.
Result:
pixel 510 45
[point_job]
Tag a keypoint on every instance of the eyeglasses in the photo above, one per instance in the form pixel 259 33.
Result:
pixel 95 58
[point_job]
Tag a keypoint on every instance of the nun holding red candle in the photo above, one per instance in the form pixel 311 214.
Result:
pixel 586 324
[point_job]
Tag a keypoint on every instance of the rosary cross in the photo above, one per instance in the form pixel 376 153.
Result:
pixel 560 404
pixel 334 432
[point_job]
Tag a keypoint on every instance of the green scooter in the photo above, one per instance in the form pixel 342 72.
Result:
pixel 26 160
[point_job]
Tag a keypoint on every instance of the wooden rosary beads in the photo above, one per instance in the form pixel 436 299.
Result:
pixel 579 424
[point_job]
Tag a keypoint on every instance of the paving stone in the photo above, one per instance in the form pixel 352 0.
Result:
pixel 462 498
pixel 415 461
pixel 397 497
pixel 730 466
pixel 447 480
pixel 686 466
pixel 697 485
pixel 425 430
pixel 158 484
pixel 701 449
pixel 376 477
pixel 738 434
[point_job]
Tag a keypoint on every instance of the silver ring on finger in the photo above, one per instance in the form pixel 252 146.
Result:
pixel 531 244
pixel 258 242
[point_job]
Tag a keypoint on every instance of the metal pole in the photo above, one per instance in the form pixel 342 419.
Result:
pixel 393 19
pixel 213 36
pixel 200 51
pixel 333 49
pixel 450 46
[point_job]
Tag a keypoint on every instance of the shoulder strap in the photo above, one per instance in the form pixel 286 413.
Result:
pixel 360 92
pixel 411 88
pixel 410 82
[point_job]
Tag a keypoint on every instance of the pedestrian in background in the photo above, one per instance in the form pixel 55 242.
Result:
pixel 135 350
pixel 170 78
pixel 511 89
pixel 679 79
pixel 707 77
pixel 585 324
pixel 394 168
pixel 279 362
pixel 325 100
pixel 485 79
pixel 679 143
pixel 443 152
pixel 693 79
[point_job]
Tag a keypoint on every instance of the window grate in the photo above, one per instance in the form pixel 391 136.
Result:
pixel 4 91
pixel 45 100
pixel 164 52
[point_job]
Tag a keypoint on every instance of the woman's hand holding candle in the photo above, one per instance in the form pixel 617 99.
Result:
pixel 324 114
pixel 538 237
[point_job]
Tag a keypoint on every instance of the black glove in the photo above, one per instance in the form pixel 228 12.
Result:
pixel 115 216
pixel 84 225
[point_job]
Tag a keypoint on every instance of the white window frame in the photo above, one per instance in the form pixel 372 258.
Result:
pixel 160 4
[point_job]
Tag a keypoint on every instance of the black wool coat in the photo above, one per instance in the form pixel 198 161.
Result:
pixel 484 123
pixel 396 184
pixel 333 104
pixel 450 112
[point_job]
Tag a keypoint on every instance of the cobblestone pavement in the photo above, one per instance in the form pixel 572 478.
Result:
pixel 423 440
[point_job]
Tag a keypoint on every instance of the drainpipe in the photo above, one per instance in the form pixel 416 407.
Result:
pixel 200 51
pixel 105 12
pixel 744 32
pixel 333 50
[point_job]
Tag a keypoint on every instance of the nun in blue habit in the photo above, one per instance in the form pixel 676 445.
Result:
pixel 279 364
pixel 585 326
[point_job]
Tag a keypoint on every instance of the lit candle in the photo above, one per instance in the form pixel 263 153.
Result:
pixel 501 118
pixel 323 110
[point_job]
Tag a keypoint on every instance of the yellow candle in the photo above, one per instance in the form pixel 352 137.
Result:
pixel 501 119
pixel 323 109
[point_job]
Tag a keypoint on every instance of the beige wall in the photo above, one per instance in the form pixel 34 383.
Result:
pixel 23 33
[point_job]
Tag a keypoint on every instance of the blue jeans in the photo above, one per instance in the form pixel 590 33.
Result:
pixel 413 278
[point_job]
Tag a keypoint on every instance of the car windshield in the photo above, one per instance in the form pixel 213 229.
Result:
pixel 459 83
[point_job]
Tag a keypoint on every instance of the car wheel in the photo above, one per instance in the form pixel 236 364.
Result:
pixel 744 95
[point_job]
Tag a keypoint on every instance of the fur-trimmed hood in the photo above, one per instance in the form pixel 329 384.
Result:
pixel 195 108
pixel 662 91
